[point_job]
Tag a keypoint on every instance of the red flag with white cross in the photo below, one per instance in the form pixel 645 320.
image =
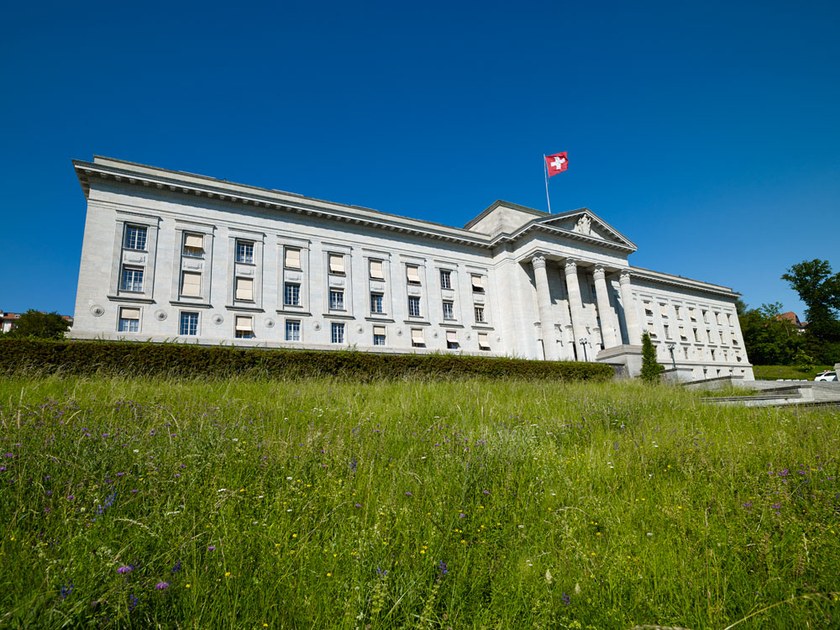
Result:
pixel 556 163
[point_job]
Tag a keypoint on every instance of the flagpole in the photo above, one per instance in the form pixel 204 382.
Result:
pixel 545 173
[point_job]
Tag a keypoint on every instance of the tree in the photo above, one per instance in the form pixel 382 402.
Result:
pixel 819 289
pixel 651 369
pixel 769 339
pixel 41 325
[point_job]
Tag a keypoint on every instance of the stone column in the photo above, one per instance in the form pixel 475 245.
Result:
pixel 544 302
pixel 633 334
pixel 576 307
pixel 605 312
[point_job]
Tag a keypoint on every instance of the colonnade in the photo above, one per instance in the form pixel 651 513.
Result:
pixel 610 328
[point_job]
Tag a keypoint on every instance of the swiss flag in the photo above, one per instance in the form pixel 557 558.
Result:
pixel 556 163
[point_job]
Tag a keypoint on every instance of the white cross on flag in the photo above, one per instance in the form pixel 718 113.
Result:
pixel 556 163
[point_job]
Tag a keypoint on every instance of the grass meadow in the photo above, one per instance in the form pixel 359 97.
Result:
pixel 461 504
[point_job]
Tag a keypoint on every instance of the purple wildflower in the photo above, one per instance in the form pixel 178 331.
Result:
pixel 126 568
pixel 2 469
pixel 381 572
pixel 211 547
pixel 176 567
pixel 462 515
pixel 408 493
pixel 485 492
pixel 442 568
pixel 132 602
pixel 65 590
pixel 71 497
pixel 162 586
pixel 358 505
pixel 9 455
pixel 747 505
pixel 777 507
pixel 566 599
pixel 784 472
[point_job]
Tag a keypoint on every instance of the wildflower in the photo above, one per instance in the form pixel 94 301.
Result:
pixel 462 515
pixel 381 572
pixel 162 586
pixel 442 568
pixel 2 469
pixel 132 602
pixel 784 472
pixel 358 505
pixel 176 567
pixel 566 599
pixel 211 547
pixel 777 507
pixel 124 569
pixel 747 505
pixel 65 590
pixel 408 493
pixel 485 492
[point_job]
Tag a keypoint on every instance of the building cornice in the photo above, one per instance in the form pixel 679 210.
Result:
pixel 637 273
pixel 222 190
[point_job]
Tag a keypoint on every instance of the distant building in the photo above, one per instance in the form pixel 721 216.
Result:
pixel 793 318
pixel 8 321
pixel 170 256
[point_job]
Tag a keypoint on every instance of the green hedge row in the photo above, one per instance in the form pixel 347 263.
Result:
pixel 180 360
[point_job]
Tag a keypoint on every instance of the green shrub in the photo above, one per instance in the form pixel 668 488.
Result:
pixel 19 356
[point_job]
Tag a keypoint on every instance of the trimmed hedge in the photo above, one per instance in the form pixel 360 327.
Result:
pixel 181 360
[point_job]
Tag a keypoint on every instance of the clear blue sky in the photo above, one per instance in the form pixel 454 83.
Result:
pixel 707 132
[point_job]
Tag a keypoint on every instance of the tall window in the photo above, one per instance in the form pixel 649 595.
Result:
pixel 245 289
pixel 132 279
pixel 379 335
pixel 135 237
pixel 337 332
pixel 413 306
pixel 483 341
pixel 479 314
pixel 417 338
pixel 245 252
pixel 190 284
pixel 193 245
pixel 291 294
pixel 445 279
pixel 376 270
pixel 337 264
pixel 412 274
pixel 452 340
pixel 448 309
pixel 129 320
pixel 477 283
pixel 376 303
pixel 291 258
pixel 189 323
pixel 292 330
pixel 244 327
pixel 336 299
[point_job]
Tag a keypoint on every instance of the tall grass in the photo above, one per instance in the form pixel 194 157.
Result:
pixel 136 503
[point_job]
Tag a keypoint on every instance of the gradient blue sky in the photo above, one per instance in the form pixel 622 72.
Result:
pixel 706 132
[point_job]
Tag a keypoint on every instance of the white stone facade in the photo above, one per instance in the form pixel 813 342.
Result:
pixel 171 256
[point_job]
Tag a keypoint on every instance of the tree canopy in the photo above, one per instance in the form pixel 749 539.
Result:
pixel 34 323
pixel 770 339
pixel 819 288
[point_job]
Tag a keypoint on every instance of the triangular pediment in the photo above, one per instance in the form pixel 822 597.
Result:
pixel 586 225
pixel 503 217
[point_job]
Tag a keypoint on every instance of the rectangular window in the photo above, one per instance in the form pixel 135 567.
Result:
pixel 336 299
pixel 377 272
pixel 483 341
pixel 337 264
pixel 663 310
pixel 291 294
pixel 190 284
pixel 189 324
pixel 337 332
pixel 479 314
pixel 244 327
pixel 376 303
pixel 448 309
pixel 477 283
pixel 245 289
pixel 413 306
pixel 412 274
pixel 452 340
pixel 129 320
pixel 291 258
pixel 667 330
pixel 292 330
pixel 245 252
pixel 132 279
pixel 135 237
pixel 445 279
pixel 379 335
pixel 193 245
pixel 417 338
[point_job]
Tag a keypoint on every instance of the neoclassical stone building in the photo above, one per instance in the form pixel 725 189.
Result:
pixel 171 256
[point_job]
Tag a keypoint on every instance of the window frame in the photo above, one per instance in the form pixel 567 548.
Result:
pixel 192 251
pixel 446 279
pixel 414 309
pixel 377 303
pixel 135 230
pixel 193 318
pixel 478 313
pixel 244 251
pixel 130 286
pixel 288 249
pixel 336 298
pixel 247 333
pixel 337 332
pixel 292 326
pixel 291 290
pixel 121 318
pixel 448 307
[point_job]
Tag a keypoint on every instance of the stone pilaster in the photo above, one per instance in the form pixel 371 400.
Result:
pixel 605 312
pixel 630 318
pixel 544 302
pixel 576 306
